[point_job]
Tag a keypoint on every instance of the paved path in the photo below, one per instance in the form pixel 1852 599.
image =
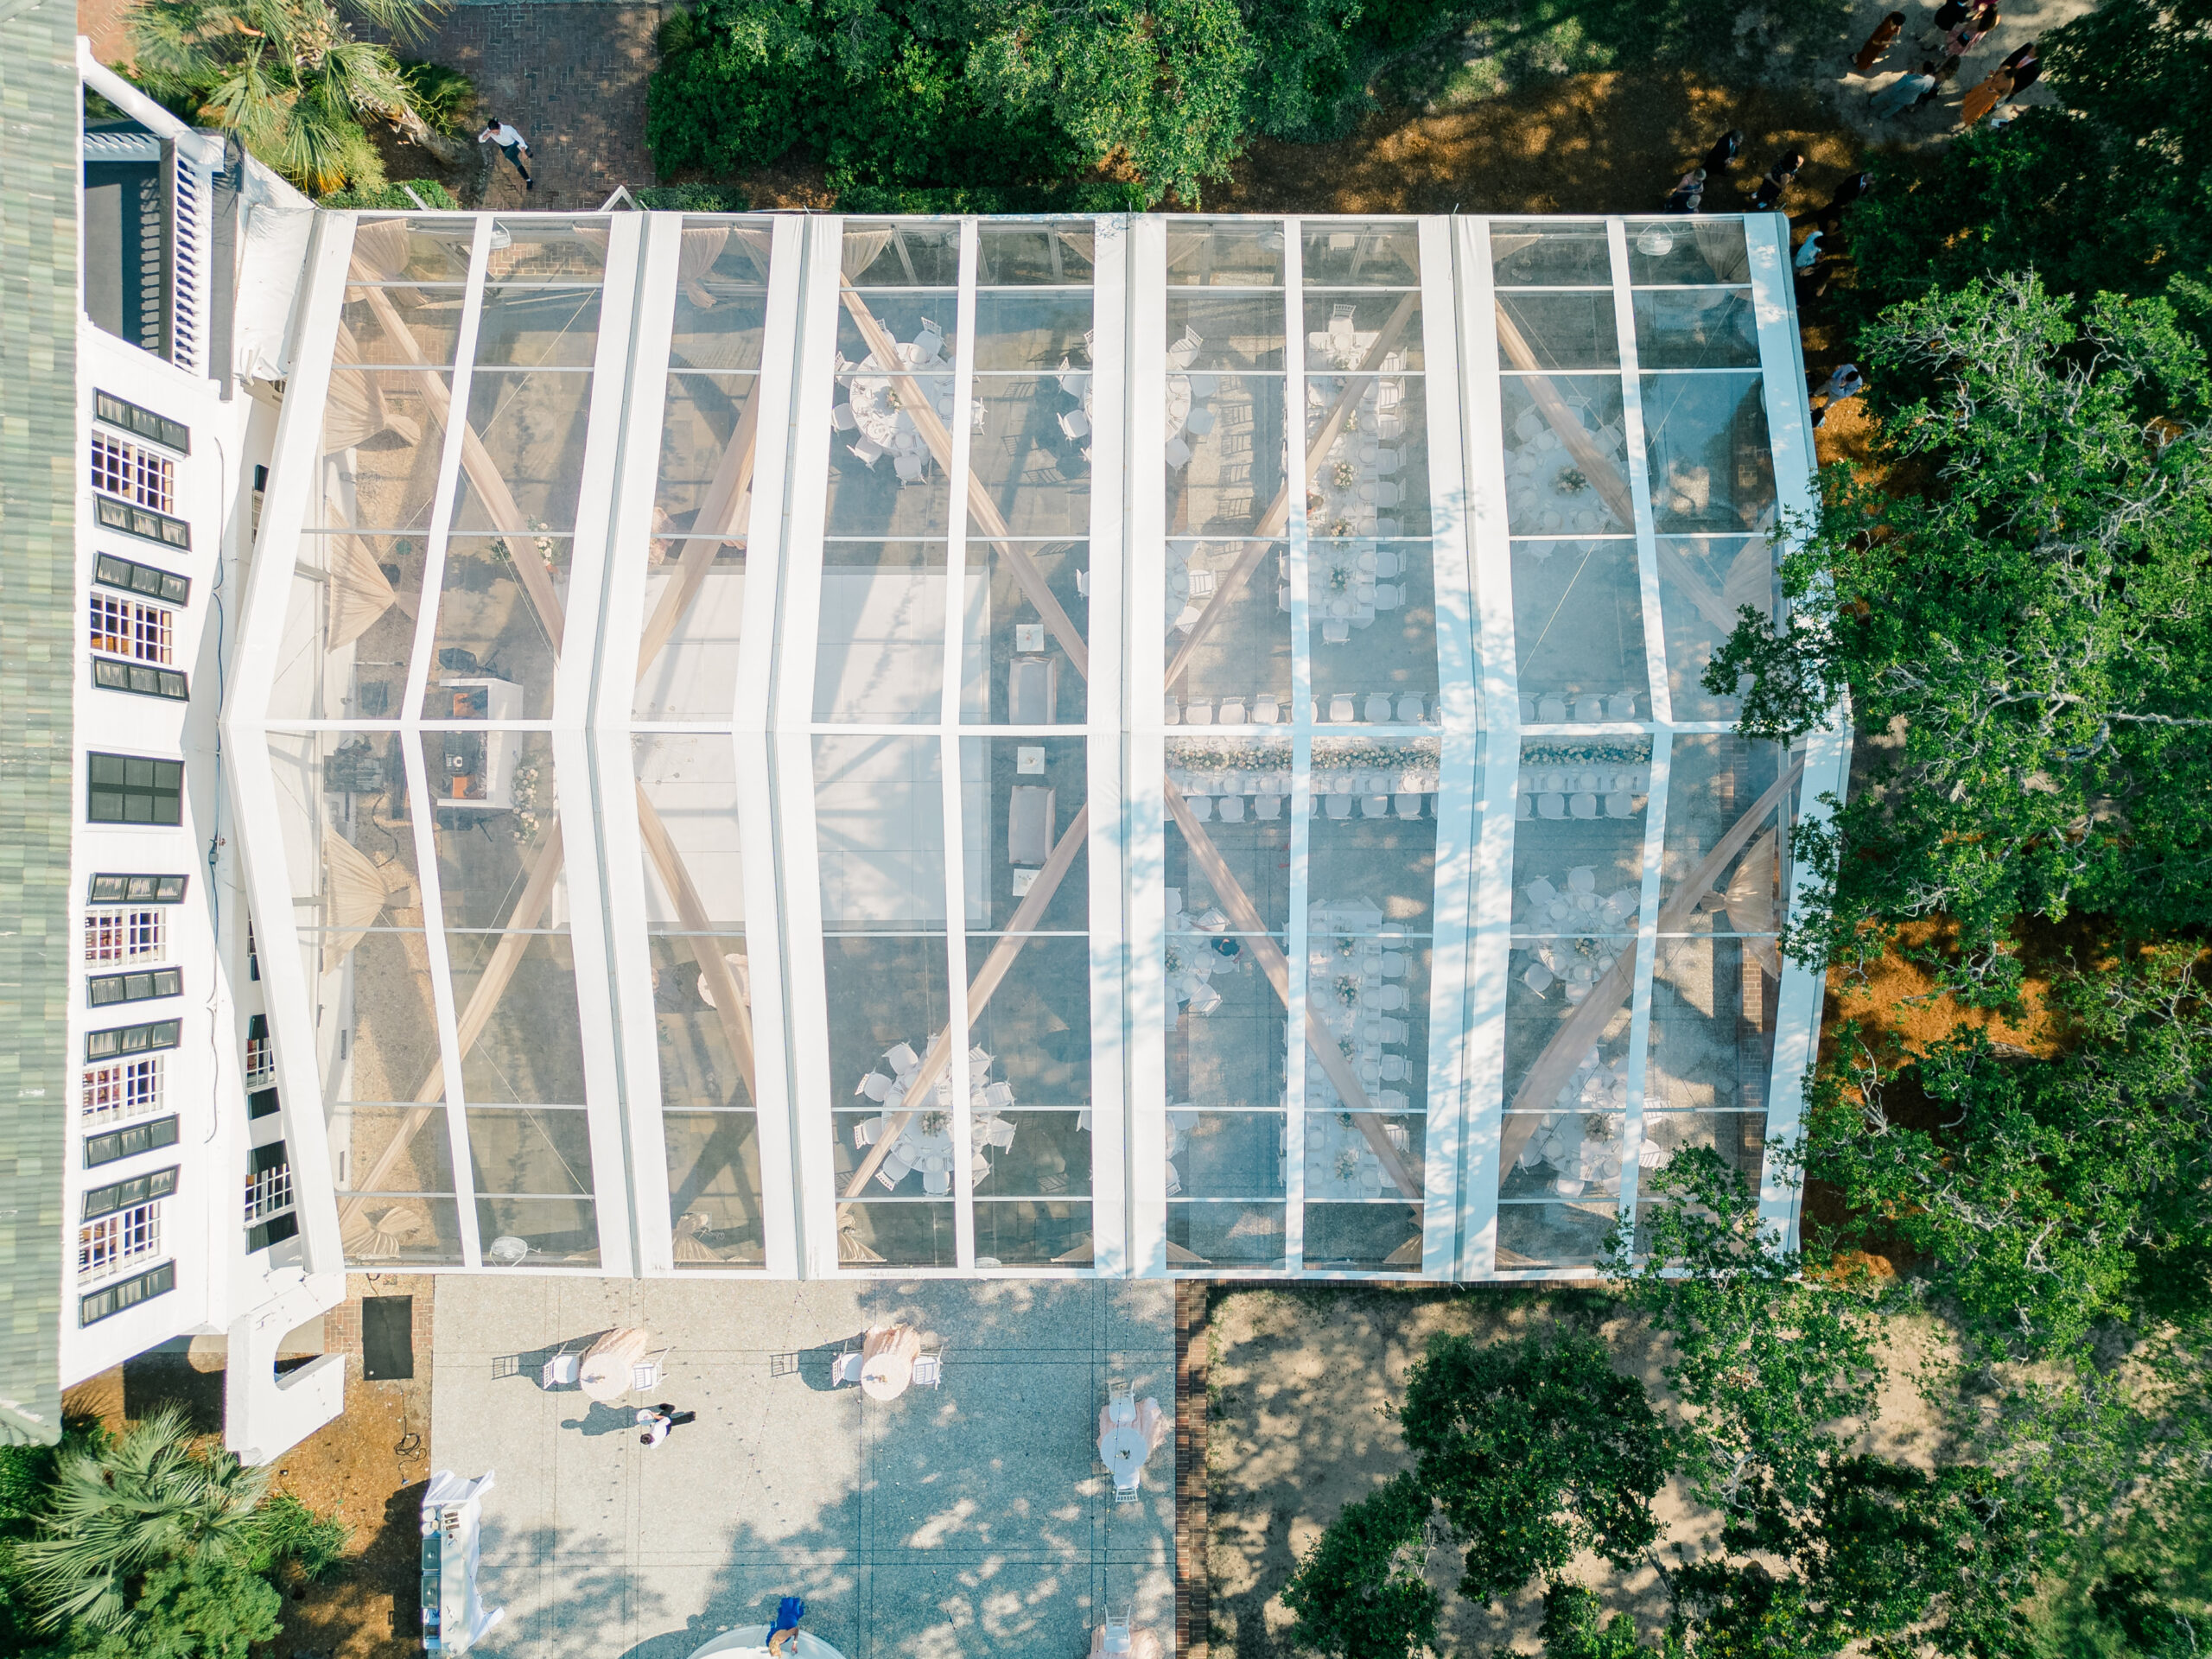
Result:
pixel 959 1523
pixel 572 77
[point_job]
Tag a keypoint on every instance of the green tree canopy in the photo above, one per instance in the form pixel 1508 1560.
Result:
pixel 1361 1591
pixel 1534 1451
pixel 996 93
pixel 292 80
pixel 2110 189
pixel 2028 621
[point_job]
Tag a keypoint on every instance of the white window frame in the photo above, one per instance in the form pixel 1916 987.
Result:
pixel 125 933
pixel 129 1237
pixel 128 471
pixel 118 625
pixel 135 1086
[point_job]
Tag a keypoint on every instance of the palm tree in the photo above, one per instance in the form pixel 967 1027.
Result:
pixel 133 1504
pixel 291 80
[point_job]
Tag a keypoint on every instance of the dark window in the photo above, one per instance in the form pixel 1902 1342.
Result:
pixel 131 789
pixel 106 406
pixel 113 1298
pixel 142 578
pixel 132 1040
pixel 102 1200
pixel 103 990
pixel 138 889
pixel 129 1143
pixel 134 520
pixel 146 682
pixel 261 1102
pixel 269 1232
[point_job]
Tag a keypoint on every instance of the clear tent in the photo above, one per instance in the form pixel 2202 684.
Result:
pixel 1121 745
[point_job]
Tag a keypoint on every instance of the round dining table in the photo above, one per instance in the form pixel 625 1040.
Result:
pixel 751 1642
pixel 604 1373
pixel 887 1355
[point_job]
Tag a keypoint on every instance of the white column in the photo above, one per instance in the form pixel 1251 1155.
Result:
pixel 1827 753
pixel 1144 901
pixel 950 763
pixel 1298 534
pixel 1489 942
pixel 1106 698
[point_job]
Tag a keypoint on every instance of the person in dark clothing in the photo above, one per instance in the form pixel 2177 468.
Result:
pixel 1944 72
pixel 658 1420
pixel 1778 180
pixel 2026 67
pixel 1949 16
pixel 1722 155
pixel 1850 190
pixel 1688 191
pixel 512 145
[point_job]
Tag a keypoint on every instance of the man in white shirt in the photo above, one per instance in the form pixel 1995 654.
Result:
pixel 511 144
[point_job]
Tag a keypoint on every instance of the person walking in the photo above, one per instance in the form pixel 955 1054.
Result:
pixel 1995 88
pixel 1878 44
pixel 1901 93
pixel 2026 67
pixel 1971 32
pixel 1688 191
pixel 1778 180
pixel 1845 383
pixel 1722 156
pixel 1808 252
pixel 512 145
pixel 1848 192
pixel 1949 16
pixel 658 1420
pixel 1945 74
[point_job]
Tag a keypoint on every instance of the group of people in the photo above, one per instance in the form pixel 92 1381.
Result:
pixel 1956 29
pixel 1688 194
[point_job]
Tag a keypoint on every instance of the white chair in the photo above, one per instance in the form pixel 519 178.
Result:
pixel 1267 808
pixel 1388 596
pixel 1391 1100
pixel 1179 453
pixel 929 1370
pixel 908 467
pixel 1622 706
pixel 937 1182
pixel 1394 964
pixel 902 1057
pixel 1409 710
pixel 893 1170
pixel 1185 351
pixel 1386 527
pixel 869 450
pixel 875 1085
pixel 1198 712
pixel 1337 808
pixel 867 1132
pixel 998 1096
pixel 648 1374
pixel 1391 997
pixel 1171 712
pixel 1387 564
pixel 1551 711
pixel 1201 807
pixel 1232 809
pixel 1584 806
pixel 1393 1068
pixel 1409 806
pixel 563 1371
pixel 1341 709
pixel 1551 804
pixel 1205 1000
pixel 1589 711
pixel 1387 495
pixel 1267 711
pixel 1336 632
pixel 1073 381
pixel 931 340
pixel 1523 807
pixel 1232 711
pixel 1374 806
pixel 1542 893
pixel 1387 460
pixel 846 1368
pixel 1379 708
pixel 1075 423
pixel 841 419
pixel 1200 422
pixel 1620 804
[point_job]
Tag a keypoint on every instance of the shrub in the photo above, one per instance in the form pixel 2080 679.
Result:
pixel 691 198
pixel 393 196
pixel 292 1532
pixel 1360 1590
pixel 446 98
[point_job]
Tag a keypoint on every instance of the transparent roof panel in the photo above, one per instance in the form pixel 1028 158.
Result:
pixel 1343 253
pixel 919 587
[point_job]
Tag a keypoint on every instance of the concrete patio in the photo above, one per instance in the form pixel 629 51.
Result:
pixel 972 1520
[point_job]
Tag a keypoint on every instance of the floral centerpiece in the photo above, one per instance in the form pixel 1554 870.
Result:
pixel 1345 475
pixel 1619 752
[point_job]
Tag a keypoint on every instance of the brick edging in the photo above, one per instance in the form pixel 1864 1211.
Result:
pixel 1192 1586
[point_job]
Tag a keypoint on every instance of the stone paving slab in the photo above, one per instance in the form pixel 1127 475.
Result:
pixel 967 1521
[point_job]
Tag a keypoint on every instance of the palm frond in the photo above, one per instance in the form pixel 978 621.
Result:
pixel 406 21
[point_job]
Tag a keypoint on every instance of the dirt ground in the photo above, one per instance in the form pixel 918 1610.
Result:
pixel 367 1468
pixel 1297 1428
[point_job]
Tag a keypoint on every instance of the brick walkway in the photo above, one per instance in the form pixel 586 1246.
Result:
pixel 572 77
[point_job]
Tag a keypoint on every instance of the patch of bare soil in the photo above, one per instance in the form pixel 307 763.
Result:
pixel 1607 143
